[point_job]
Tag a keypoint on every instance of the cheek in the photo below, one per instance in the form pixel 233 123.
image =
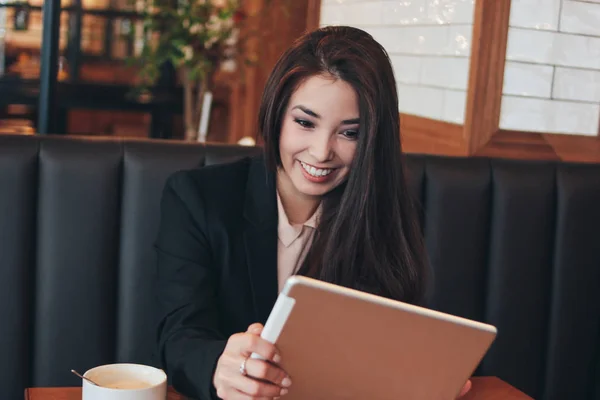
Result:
pixel 285 141
pixel 347 151
pixel 290 141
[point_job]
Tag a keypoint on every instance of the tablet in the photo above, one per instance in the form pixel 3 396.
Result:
pixel 339 343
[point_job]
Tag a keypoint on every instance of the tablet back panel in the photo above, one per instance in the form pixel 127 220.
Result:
pixel 338 343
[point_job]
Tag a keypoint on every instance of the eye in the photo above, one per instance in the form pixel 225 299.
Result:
pixel 351 134
pixel 304 123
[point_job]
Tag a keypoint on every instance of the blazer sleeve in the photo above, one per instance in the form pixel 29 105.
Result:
pixel 189 341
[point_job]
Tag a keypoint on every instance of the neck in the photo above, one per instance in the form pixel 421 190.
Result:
pixel 298 207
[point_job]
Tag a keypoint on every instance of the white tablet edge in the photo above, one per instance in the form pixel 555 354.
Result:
pixel 277 319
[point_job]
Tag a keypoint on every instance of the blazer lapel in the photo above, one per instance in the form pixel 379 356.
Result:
pixel 260 237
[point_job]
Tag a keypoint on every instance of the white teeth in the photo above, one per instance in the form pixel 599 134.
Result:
pixel 314 171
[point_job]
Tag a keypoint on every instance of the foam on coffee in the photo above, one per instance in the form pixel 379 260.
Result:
pixel 128 384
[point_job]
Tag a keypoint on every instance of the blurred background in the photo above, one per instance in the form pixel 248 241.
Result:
pixel 516 78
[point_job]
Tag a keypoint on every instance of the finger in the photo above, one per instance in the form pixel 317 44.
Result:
pixel 231 379
pixel 255 388
pixel 255 344
pixel 233 394
pixel 266 371
pixel 255 329
pixel 237 395
pixel 465 388
pixel 223 393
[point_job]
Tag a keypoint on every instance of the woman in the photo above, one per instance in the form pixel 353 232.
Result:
pixel 327 200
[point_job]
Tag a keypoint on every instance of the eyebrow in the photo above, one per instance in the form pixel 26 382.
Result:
pixel 310 112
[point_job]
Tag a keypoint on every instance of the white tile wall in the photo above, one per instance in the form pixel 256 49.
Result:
pixel 459 40
pixel 422 101
pixel 326 2
pixel 397 12
pixel 576 84
pixel 524 114
pixel 579 17
pixel 530 45
pixel 560 39
pixel 537 14
pixel 357 13
pixel 523 79
pixel 407 69
pixel 424 40
pixel 541 115
pixel 404 13
pixel 545 47
pixel 576 51
pixel 447 72
pixel 331 14
pixel 450 11
pixel 577 118
pixel 454 106
pixel 429 42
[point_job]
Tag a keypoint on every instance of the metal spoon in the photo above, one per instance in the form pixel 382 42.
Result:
pixel 83 377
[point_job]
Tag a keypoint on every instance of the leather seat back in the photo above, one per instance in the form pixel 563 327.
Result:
pixel 512 243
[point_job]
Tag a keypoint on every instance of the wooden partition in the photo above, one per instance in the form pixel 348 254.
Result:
pixel 285 21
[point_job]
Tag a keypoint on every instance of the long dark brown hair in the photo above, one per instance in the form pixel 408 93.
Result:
pixel 368 237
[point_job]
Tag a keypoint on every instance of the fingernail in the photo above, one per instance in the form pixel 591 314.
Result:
pixel 277 358
pixel 283 392
pixel 286 382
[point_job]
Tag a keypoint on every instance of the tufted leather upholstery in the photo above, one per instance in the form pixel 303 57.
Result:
pixel 513 243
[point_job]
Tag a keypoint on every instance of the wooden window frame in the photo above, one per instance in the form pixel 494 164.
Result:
pixel 481 135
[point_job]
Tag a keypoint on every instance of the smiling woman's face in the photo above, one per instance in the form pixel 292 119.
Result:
pixel 319 135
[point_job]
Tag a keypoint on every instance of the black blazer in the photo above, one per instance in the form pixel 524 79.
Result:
pixel 217 266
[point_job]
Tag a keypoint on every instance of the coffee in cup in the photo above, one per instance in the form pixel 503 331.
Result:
pixel 125 382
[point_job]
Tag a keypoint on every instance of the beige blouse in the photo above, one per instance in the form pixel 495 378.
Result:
pixel 293 239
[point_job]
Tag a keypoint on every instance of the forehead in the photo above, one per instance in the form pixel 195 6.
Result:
pixel 326 95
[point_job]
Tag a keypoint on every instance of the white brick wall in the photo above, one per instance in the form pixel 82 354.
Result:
pixel 429 42
pixel 552 76
pixel 573 84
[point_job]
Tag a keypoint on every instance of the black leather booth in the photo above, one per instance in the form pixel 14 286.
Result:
pixel 513 243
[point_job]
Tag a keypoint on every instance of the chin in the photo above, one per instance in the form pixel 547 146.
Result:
pixel 308 190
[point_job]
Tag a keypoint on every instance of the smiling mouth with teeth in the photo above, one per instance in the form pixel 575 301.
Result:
pixel 316 172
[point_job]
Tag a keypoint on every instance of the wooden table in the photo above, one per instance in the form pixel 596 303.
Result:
pixel 484 388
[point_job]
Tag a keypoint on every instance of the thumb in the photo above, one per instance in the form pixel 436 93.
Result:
pixel 255 329
pixel 465 389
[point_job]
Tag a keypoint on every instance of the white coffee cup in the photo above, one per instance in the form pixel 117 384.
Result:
pixel 125 382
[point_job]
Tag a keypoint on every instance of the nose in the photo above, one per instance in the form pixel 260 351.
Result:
pixel 321 147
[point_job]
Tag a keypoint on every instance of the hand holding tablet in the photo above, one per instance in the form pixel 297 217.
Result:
pixel 338 343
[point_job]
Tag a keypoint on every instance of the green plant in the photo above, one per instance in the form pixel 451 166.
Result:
pixel 197 37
